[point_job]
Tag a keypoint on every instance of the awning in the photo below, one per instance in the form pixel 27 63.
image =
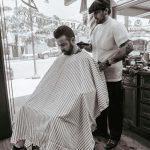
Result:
pixel 68 2
pixel 136 8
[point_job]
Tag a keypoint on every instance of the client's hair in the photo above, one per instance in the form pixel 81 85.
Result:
pixel 63 30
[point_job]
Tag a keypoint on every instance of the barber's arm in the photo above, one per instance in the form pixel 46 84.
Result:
pixel 123 51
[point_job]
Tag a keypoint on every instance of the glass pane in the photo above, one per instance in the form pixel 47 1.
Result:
pixel 28 43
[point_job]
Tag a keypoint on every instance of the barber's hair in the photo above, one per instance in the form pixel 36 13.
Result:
pixel 100 5
pixel 63 30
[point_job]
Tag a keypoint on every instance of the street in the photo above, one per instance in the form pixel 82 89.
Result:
pixel 23 70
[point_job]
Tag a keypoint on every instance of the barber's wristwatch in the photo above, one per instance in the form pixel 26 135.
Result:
pixel 108 63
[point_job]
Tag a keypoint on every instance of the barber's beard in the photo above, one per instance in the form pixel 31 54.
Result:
pixel 102 20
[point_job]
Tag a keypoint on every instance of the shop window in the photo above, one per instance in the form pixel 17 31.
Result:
pixel 28 43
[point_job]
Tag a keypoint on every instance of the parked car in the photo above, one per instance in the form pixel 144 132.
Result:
pixel 49 53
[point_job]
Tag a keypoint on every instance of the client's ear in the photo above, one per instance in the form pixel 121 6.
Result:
pixel 73 40
pixel 106 11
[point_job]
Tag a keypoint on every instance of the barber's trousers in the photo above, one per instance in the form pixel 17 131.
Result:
pixel 112 117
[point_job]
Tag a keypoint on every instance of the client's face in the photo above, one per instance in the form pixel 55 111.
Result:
pixel 65 45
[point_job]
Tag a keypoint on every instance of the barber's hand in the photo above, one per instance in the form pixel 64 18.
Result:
pixel 83 45
pixel 102 65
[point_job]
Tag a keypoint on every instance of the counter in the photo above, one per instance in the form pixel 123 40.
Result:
pixel 137 102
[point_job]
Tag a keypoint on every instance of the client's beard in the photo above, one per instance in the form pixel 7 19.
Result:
pixel 69 52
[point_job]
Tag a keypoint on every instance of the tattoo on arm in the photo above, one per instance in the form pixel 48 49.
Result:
pixel 129 48
pixel 124 50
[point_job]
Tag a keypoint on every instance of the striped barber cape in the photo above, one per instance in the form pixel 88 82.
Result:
pixel 61 112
